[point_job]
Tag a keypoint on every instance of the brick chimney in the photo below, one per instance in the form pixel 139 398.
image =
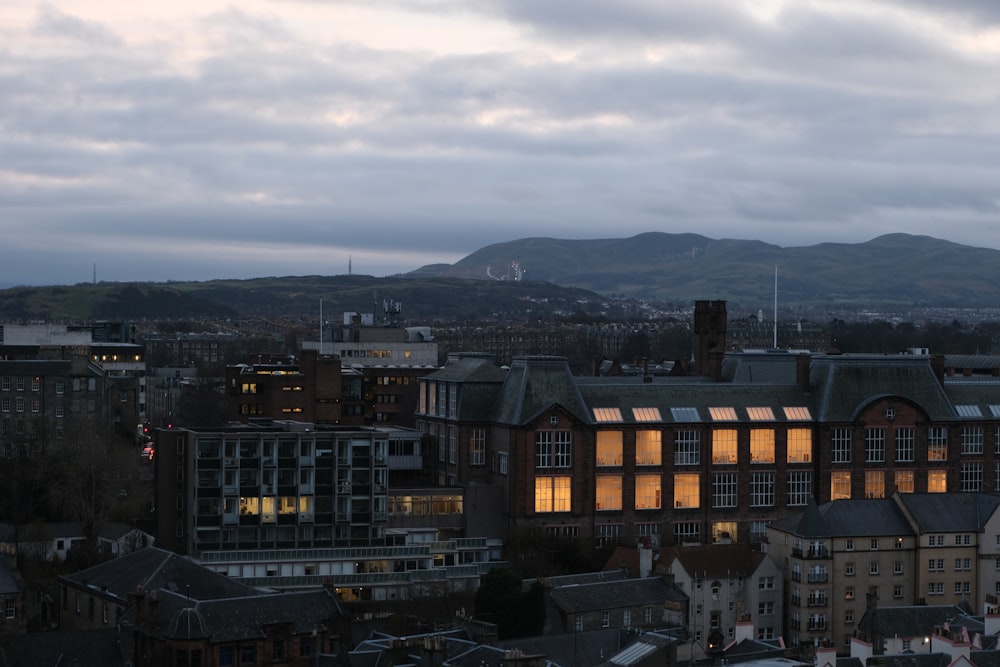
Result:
pixel 802 363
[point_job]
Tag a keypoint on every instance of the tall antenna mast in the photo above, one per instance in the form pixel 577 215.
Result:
pixel 321 326
pixel 776 306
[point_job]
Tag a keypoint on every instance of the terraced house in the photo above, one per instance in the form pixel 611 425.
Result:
pixel 712 457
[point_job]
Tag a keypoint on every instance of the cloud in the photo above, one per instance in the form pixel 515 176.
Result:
pixel 289 135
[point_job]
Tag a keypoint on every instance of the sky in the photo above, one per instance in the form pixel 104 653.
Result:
pixel 184 140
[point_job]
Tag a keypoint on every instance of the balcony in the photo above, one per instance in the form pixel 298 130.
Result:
pixel 816 624
pixel 818 600
pixel 796 575
pixel 810 552
pixel 818 577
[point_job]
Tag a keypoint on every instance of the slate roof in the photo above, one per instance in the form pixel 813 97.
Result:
pixel 910 660
pixel 80 648
pixel 581 578
pixel 917 620
pixel 153 569
pixel 950 512
pixel 845 384
pixel 535 383
pixel 469 367
pixel 593 647
pixel 716 560
pixel 233 619
pixel 850 518
pixel 771 367
pixel 580 598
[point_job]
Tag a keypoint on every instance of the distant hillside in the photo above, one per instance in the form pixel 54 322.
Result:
pixel 896 270
pixel 422 300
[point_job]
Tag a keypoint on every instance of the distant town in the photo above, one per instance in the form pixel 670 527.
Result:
pixel 359 489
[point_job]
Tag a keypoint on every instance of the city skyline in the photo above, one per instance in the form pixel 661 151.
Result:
pixel 217 140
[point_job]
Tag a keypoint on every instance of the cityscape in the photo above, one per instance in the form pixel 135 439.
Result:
pixel 381 489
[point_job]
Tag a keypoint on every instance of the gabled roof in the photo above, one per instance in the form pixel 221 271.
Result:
pixel 153 569
pixel 716 560
pixel 535 384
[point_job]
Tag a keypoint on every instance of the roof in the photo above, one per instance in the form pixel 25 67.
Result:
pixel 844 384
pixel 579 598
pixel 233 619
pixel 535 384
pixel 849 518
pixel 916 620
pixel 153 569
pixel 950 512
pixel 716 560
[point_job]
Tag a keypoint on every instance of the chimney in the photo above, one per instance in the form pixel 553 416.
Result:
pixel 154 609
pixel 709 337
pixel 937 365
pixel 802 371
pixel 826 655
pixel 645 561
pixel 991 624
pixel 744 630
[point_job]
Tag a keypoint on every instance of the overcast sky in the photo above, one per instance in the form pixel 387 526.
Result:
pixel 191 140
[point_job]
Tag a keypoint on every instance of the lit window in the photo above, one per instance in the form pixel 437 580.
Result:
pixel 686 491
pixel 646 414
pixel 553 494
pixel 904 481
pixel 609 492
pixel 724 446
pixel 722 414
pixel 874 484
pixel 840 485
pixel 607 415
pixel 760 414
pixel 762 445
pixel 797 414
pixel 647 492
pixel 937 481
pixel 648 449
pixel 609 448
pixel 799 445
pixel 937 443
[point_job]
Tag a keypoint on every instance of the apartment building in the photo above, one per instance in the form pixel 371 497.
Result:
pixel 842 557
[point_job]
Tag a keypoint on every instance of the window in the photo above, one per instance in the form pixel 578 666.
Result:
pixel 765 608
pixel 502 463
pixel 873 568
pixel 873 544
pixel 648 451
pixel 799 445
pixel 904 481
pixel 972 439
pixel 840 484
pixel 937 443
pixel 897 567
pixel 840 445
pixel 10 611
pixel 687 531
pixel 647 615
pixel 761 489
pixel 609 533
pixel 724 446
pixel 579 623
pixel 874 445
pixel 724 489
pixel 477 446
pixel 937 481
pixel 765 583
pixel 874 484
pixel 553 494
pixel 904 444
pixel 609 448
pixel 305 646
pixel 686 491
pixel 758 529
pixel 627 618
pixel 248 654
pixel 848 592
pixel 687 448
pixel 799 487
pixel 849 569
pixel 971 477
pixel 761 445
pixel 849 616
pixel 609 492
pixel 897 591
pixel 605 619
pixel 849 544
pixel 553 449
pixel 647 492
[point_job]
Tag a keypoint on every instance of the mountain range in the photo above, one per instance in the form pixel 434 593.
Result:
pixel 897 273
pixel 895 270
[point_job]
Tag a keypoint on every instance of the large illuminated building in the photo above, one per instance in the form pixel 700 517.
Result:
pixel 713 457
